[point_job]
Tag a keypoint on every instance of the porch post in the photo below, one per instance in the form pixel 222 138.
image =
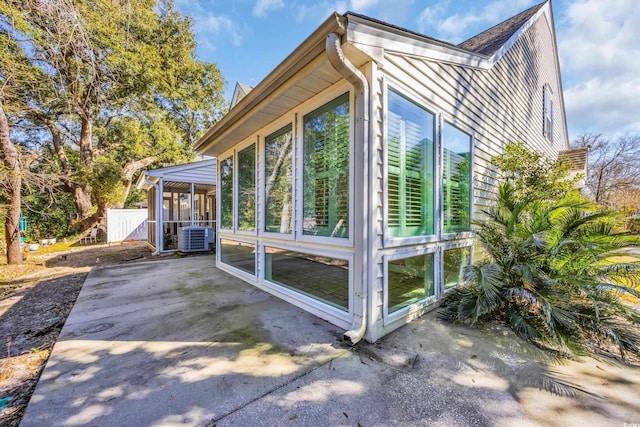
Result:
pixel 160 216
pixel 193 202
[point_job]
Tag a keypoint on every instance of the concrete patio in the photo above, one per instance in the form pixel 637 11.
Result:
pixel 178 342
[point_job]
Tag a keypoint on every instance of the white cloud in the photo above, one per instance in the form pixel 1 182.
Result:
pixel 362 4
pixel 460 26
pixel 599 44
pixel 216 29
pixel 263 7
pixel 318 12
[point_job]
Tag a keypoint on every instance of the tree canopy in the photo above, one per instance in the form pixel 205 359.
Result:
pixel 613 178
pixel 97 90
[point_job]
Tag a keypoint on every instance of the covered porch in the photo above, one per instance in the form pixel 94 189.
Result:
pixel 178 196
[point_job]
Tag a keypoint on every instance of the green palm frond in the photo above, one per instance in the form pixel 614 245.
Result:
pixel 555 274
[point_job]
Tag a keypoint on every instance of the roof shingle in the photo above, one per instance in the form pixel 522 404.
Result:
pixel 491 40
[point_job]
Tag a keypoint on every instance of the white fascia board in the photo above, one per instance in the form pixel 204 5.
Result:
pixel 370 38
pixel 169 170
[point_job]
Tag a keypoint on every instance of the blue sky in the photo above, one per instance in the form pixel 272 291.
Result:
pixel 598 40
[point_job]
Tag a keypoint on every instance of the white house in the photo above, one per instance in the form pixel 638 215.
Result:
pixel 350 175
pixel 178 196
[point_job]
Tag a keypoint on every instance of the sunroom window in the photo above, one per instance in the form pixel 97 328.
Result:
pixel 226 193
pixel 455 262
pixel 326 170
pixel 456 175
pixel 278 180
pixel 410 168
pixel 410 280
pixel 247 188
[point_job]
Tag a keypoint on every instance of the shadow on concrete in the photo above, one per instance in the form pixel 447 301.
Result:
pixel 178 342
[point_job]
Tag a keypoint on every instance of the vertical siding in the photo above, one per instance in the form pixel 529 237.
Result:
pixel 503 104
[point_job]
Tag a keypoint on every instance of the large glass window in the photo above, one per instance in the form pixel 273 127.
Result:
pixel 278 180
pixel 410 168
pixel 322 278
pixel 326 170
pixel 239 255
pixel 456 175
pixel 226 193
pixel 455 261
pixel 409 280
pixel 247 188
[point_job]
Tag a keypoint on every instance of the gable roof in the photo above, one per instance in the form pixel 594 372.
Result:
pixel 239 92
pixel 490 41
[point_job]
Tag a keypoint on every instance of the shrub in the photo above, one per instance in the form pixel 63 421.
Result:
pixel 554 272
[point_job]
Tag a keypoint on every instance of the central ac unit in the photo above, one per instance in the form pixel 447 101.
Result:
pixel 195 238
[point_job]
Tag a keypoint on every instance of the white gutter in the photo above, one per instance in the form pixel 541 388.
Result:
pixel 158 221
pixel 361 143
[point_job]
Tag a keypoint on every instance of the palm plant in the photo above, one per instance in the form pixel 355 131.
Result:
pixel 554 272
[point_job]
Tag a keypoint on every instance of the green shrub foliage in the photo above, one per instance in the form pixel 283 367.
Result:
pixel 554 271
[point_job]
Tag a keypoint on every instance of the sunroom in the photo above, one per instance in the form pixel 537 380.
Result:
pixel 348 178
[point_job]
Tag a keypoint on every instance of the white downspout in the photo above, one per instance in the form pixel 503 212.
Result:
pixel 361 142
pixel 158 211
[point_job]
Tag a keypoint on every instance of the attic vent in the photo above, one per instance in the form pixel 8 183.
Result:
pixel 195 239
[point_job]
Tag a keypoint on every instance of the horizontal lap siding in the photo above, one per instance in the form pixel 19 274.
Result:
pixel 502 104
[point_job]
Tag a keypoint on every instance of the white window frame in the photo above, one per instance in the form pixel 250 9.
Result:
pixel 411 240
pixel 440 173
pixel 313 305
pixel 267 131
pixel 417 306
pixel 315 103
pixel 251 141
pixel 235 270
pixel 438 194
pixel 225 156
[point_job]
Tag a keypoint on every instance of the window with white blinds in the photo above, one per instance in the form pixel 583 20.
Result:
pixel 410 168
pixel 326 170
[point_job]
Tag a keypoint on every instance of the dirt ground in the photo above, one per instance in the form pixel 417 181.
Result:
pixel 35 300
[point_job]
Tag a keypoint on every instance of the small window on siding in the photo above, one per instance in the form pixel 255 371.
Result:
pixel 547 125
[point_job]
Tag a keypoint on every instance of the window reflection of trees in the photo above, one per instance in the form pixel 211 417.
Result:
pixel 278 185
pixel 326 169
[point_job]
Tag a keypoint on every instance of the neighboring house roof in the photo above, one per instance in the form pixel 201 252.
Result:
pixel 576 158
pixel 202 172
pixel 490 41
pixel 239 92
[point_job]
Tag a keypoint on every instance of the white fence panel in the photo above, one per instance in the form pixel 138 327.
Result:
pixel 126 224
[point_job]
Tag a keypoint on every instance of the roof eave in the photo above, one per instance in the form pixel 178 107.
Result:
pixel 362 29
pixel 302 55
